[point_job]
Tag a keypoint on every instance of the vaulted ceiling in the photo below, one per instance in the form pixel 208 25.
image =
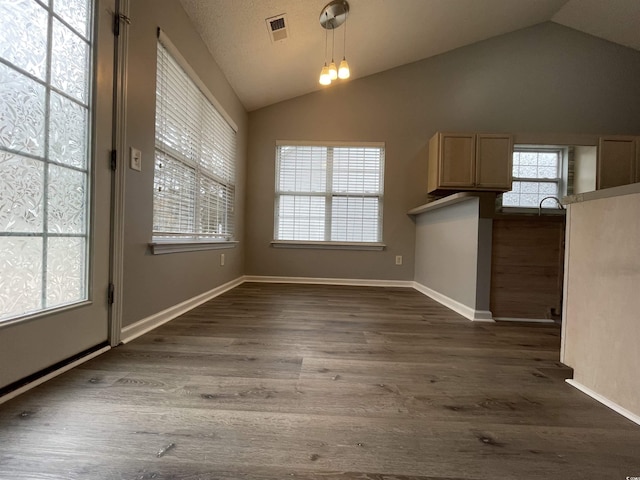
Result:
pixel 381 34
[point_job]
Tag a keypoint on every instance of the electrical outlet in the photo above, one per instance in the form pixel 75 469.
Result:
pixel 136 159
pixel 398 259
pixel 222 259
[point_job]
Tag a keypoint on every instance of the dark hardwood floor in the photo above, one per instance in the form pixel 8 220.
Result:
pixel 279 382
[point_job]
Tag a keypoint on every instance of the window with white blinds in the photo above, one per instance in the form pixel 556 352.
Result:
pixel 329 193
pixel 194 184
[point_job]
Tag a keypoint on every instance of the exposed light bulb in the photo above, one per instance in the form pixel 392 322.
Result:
pixel 325 77
pixel 333 71
pixel 343 71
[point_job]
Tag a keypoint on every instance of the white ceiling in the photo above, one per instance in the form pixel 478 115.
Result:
pixel 381 34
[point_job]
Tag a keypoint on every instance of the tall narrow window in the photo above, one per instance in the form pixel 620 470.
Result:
pixel 194 183
pixel 329 193
pixel 45 109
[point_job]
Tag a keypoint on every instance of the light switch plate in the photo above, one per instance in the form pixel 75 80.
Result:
pixel 136 159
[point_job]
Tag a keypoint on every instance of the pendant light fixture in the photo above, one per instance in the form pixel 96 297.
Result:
pixel 325 77
pixel 332 16
pixel 343 71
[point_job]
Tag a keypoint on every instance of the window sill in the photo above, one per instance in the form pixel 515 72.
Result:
pixel 328 245
pixel 532 211
pixel 163 247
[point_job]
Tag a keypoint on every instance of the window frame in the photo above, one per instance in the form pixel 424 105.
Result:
pixel 560 180
pixel 329 196
pixel 174 242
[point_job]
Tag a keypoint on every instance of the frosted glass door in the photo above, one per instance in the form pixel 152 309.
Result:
pixel 55 136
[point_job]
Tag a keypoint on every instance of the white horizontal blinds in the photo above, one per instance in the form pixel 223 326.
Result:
pixel 302 184
pixel 329 193
pixel 195 152
pixel 215 208
pixel 357 194
pixel 175 194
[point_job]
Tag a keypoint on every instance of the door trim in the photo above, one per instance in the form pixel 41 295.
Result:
pixel 119 144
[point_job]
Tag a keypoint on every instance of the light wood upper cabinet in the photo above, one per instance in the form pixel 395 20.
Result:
pixel 457 160
pixel 494 161
pixel 470 161
pixel 618 159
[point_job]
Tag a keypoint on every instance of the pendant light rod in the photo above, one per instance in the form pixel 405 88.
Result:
pixel 333 70
pixel 344 39
pixel 326 34
pixel 333 42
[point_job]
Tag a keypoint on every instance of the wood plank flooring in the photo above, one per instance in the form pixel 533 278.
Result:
pixel 274 381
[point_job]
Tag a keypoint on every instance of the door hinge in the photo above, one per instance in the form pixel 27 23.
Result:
pixel 117 18
pixel 114 160
pixel 110 294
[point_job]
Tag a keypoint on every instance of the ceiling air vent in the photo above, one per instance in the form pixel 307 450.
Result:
pixel 277 26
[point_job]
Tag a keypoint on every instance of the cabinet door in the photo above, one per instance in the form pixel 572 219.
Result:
pixel 457 159
pixel 616 161
pixel 494 160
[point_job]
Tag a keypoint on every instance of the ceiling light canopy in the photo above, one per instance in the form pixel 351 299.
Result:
pixel 332 16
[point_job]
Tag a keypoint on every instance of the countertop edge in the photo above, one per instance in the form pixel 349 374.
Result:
pixel 446 201
pixel 600 194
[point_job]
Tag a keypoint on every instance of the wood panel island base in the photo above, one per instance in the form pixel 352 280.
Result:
pixel 527 267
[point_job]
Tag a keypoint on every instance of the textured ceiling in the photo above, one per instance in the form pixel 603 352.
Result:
pixel 381 34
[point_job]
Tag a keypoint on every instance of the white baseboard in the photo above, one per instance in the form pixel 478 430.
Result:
pixel 49 376
pixel 357 282
pixel 464 310
pixel 145 325
pixel 483 316
pixel 529 320
pixel 605 401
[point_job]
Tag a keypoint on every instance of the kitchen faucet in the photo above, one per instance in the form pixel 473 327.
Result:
pixel 560 206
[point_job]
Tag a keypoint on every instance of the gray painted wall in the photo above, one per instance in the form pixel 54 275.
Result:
pixel 153 283
pixel 483 272
pixel 546 79
pixel 447 251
